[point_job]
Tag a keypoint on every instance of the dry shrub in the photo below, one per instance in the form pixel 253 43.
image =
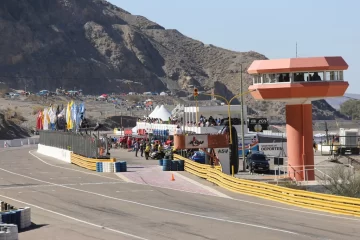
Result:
pixel 36 109
pixel 33 98
pixel 13 115
pixel 342 181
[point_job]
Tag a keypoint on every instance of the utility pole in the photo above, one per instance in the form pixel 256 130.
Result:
pixel 296 50
pixel 242 117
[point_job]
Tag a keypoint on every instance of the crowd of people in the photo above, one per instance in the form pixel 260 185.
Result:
pixel 203 121
pixel 142 146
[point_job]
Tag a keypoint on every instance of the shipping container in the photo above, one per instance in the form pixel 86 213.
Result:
pixel 349 137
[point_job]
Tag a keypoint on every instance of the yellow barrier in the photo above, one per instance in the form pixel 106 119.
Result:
pixel 88 163
pixel 300 198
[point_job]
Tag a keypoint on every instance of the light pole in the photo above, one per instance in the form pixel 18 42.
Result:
pixel 228 102
pixel 242 116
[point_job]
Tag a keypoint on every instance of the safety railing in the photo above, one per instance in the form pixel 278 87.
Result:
pixel 84 145
pixel 320 171
pixel 301 198
pixel 88 163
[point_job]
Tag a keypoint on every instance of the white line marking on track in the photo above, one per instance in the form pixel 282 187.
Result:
pixel 66 184
pixel 89 173
pixel 136 191
pixel 220 194
pixel 64 177
pixel 160 208
pixel 235 199
pixel 76 219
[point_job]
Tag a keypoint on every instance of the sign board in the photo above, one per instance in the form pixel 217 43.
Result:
pixel 273 149
pixel 224 157
pixel 196 141
pixel 128 131
pixel 258 124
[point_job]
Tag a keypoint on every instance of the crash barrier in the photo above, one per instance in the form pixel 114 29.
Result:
pixel 111 167
pixel 300 198
pixel 18 142
pixel 58 153
pixel 9 232
pixel 10 215
pixel 88 163
pixel 82 144
pixel 172 165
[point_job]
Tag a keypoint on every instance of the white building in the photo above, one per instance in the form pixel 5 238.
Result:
pixel 189 115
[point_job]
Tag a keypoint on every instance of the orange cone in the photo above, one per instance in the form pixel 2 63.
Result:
pixel 172 177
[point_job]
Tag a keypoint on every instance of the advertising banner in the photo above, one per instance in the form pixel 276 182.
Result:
pixel 273 149
pixel 196 141
pixel 258 124
pixel 128 131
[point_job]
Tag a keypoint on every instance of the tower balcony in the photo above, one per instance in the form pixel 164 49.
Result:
pixel 298 80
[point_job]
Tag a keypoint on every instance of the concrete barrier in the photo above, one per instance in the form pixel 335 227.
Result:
pixel 18 142
pixel 58 153
pixel 9 232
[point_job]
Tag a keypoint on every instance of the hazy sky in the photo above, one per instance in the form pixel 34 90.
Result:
pixel 270 27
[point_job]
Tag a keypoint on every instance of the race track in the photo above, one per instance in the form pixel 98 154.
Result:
pixel 70 203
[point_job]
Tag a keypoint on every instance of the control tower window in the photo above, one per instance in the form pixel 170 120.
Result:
pixel 269 78
pixel 283 77
pixel 257 79
pixel 299 77
pixel 335 76
pixel 314 76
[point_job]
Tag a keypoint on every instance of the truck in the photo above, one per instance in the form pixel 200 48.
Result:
pixel 349 141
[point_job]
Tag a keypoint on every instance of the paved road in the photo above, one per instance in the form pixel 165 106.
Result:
pixel 70 203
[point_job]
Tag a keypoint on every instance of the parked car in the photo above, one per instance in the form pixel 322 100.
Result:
pixel 257 162
pixel 198 157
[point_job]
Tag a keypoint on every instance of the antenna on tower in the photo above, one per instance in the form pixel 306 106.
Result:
pixel 296 50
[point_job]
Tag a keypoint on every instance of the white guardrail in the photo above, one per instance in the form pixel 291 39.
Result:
pixel 18 142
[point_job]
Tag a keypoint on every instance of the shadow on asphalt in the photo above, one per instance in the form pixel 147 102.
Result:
pixel 33 226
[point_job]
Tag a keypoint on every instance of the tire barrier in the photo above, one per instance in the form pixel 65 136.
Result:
pixel 21 217
pixel 167 164
pixel 120 166
pixel 89 163
pixel 172 165
pixel 9 232
pixel 300 198
pixel 111 167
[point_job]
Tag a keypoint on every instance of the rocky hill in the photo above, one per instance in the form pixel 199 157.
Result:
pixel 98 47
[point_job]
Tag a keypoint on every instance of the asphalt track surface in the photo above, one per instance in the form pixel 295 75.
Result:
pixel 73 204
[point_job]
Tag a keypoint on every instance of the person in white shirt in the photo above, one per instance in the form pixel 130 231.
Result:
pixel 178 130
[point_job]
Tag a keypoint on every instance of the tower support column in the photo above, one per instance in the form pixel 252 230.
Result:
pixel 299 134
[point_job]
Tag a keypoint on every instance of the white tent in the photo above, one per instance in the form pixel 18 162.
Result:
pixel 162 113
pixel 154 112
pixel 134 129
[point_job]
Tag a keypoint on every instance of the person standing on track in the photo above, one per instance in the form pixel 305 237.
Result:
pixel 136 148
pixel 142 147
pixel 147 151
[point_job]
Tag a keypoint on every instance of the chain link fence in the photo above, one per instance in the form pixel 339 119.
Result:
pixel 84 145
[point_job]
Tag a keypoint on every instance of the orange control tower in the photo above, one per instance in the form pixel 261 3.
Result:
pixel 297 82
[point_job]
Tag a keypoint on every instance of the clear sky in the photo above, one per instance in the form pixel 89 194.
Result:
pixel 270 27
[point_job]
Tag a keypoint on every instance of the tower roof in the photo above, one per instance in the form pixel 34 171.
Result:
pixel 310 64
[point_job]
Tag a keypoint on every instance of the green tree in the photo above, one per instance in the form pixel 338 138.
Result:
pixel 351 108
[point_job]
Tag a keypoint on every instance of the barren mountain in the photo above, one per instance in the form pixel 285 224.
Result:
pixel 98 47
